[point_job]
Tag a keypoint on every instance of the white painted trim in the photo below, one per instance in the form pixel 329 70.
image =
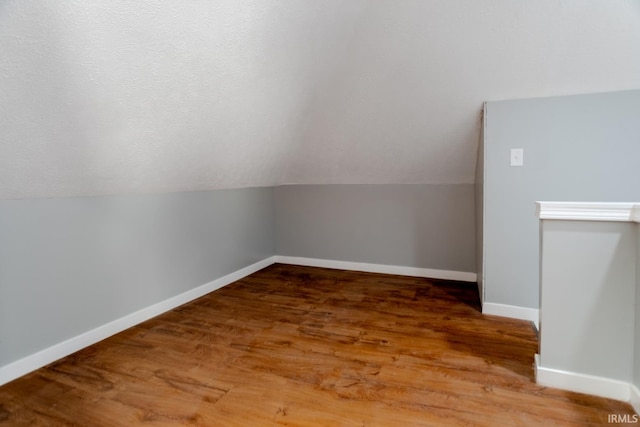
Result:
pixel 460 276
pixel 51 354
pixel 635 398
pixel 588 211
pixel 582 383
pixel 512 311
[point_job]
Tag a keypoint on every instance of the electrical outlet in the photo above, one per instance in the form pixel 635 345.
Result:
pixel 517 157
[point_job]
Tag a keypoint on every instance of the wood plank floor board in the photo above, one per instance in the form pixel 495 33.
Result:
pixel 301 346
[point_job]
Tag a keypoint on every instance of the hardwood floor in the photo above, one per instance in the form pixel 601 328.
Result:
pixel 304 346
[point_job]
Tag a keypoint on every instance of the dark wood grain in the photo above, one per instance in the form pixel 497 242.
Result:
pixel 304 346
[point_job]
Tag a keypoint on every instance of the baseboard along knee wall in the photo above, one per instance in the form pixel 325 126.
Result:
pixel 512 311
pixel 589 384
pixel 48 355
pixel 51 354
pixel 379 268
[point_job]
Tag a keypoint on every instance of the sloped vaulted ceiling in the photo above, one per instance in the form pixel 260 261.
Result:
pixel 110 97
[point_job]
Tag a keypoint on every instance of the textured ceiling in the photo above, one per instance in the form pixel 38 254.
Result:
pixel 110 97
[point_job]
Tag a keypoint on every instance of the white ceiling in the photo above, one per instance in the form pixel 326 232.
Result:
pixel 110 97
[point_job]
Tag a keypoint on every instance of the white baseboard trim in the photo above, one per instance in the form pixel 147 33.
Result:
pixel 460 276
pixel 582 383
pixel 51 354
pixel 635 398
pixel 513 311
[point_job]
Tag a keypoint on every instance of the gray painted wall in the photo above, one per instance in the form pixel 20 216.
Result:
pixel 576 148
pixel 636 353
pixel 479 212
pixel 588 306
pixel 425 226
pixel 70 265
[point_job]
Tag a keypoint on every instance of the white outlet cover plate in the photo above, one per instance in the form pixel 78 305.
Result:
pixel 517 157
